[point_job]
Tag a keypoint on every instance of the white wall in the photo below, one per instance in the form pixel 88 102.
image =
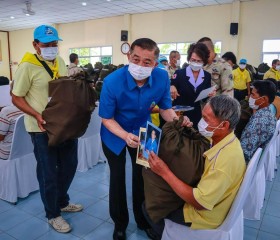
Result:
pixel 258 20
pixel 4 64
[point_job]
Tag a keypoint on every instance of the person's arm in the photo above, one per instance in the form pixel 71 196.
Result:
pixel 248 83
pixel 183 190
pixel 251 138
pixel 226 81
pixel 21 104
pixel 131 139
pixel 169 115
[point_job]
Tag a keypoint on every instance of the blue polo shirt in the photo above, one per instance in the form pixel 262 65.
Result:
pixel 129 104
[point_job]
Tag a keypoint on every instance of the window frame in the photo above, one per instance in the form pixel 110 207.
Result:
pixel 90 56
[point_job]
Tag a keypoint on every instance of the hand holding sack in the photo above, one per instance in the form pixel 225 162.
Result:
pixel 181 148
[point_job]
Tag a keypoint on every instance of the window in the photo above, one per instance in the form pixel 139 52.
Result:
pixel 93 55
pixel 182 48
pixel 271 51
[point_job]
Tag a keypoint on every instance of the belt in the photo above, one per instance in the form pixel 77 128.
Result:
pixel 238 90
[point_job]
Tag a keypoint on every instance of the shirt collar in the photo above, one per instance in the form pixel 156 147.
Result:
pixel 200 77
pixel 132 84
pixel 215 150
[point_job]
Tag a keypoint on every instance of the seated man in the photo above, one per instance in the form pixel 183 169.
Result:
pixel 73 67
pixel 261 126
pixel 8 116
pixel 207 205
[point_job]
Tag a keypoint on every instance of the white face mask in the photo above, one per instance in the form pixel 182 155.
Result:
pixel 242 66
pixel 196 66
pixel 202 125
pixel 178 63
pixel 49 53
pixel 138 72
pixel 252 103
pixel 277 67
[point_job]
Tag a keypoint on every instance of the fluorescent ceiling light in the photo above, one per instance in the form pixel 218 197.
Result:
pixel 84 3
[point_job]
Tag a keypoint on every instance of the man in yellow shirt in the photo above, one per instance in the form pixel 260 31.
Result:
pixel 241 81
pixel 207 205
pixel 274 71
pixel 56 166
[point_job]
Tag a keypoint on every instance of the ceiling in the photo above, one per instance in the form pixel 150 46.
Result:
pixel 65 11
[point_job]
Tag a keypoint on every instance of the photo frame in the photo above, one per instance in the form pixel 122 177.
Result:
pixel 149 141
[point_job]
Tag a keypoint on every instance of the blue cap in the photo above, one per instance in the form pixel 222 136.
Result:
pixel 162 58
pixel 243 61
pixel 46 34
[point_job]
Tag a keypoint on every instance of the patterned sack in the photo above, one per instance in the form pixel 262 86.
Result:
pixel 181 148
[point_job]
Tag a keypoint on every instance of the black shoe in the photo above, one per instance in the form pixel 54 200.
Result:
pixel 151 234
pixel 119 235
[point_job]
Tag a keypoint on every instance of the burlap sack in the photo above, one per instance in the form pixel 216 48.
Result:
pixel 182 149
pixel 68 113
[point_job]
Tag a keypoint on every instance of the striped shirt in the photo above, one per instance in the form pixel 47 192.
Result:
pixel 8 116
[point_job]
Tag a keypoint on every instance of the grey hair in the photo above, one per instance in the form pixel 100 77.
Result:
pixel 226 108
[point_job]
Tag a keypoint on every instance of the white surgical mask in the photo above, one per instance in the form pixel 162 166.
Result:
pixel 178 63
pixel 242 66
pixel 278 67
pixel 202 125
pixel 49 53
pixel 252 103
pixel 196 66
pixel 138 72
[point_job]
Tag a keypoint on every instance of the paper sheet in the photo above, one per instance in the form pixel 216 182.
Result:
pixel 204 93
pixel 5 97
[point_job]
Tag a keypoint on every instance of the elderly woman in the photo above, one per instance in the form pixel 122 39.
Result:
pixel 191 81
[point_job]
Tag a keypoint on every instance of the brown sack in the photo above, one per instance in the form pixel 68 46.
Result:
pixel 181 148
pixel 68 113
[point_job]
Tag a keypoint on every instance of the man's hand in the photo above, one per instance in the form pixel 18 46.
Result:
pixel 157 165
pixel 213 93
pixel 186 122
pixel 132 140
pixel 174 93
pixel 40 122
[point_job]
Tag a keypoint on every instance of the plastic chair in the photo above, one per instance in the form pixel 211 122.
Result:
pixel 232 228
pixel 89 145
pixel 270 164
pixel 255 199
pixel 18 173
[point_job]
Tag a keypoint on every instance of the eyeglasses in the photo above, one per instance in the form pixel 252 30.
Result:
pixel 196 60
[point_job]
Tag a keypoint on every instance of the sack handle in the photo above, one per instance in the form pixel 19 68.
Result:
pixel 50 72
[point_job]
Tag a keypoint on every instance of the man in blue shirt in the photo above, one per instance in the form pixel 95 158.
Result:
pixel 151 145
pixel 127 99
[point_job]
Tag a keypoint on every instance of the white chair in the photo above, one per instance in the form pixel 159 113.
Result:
pixel 232 228
pixel 18 173
pixel 270 164
pixel 89 145
pixel 5 99
pixel 255 198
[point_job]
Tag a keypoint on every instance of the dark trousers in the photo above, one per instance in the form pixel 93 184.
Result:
pixel 117 193
pixel 176 216
pixel 56 167
pixel 240 94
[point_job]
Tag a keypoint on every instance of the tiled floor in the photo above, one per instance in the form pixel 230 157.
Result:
pixel 26 220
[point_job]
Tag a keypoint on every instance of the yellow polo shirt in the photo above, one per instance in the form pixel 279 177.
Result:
pixel 240 79
pixel 31 82
pixel 223 173
pixel 272 73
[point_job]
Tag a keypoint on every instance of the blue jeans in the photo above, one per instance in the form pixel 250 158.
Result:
pixel 56 167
